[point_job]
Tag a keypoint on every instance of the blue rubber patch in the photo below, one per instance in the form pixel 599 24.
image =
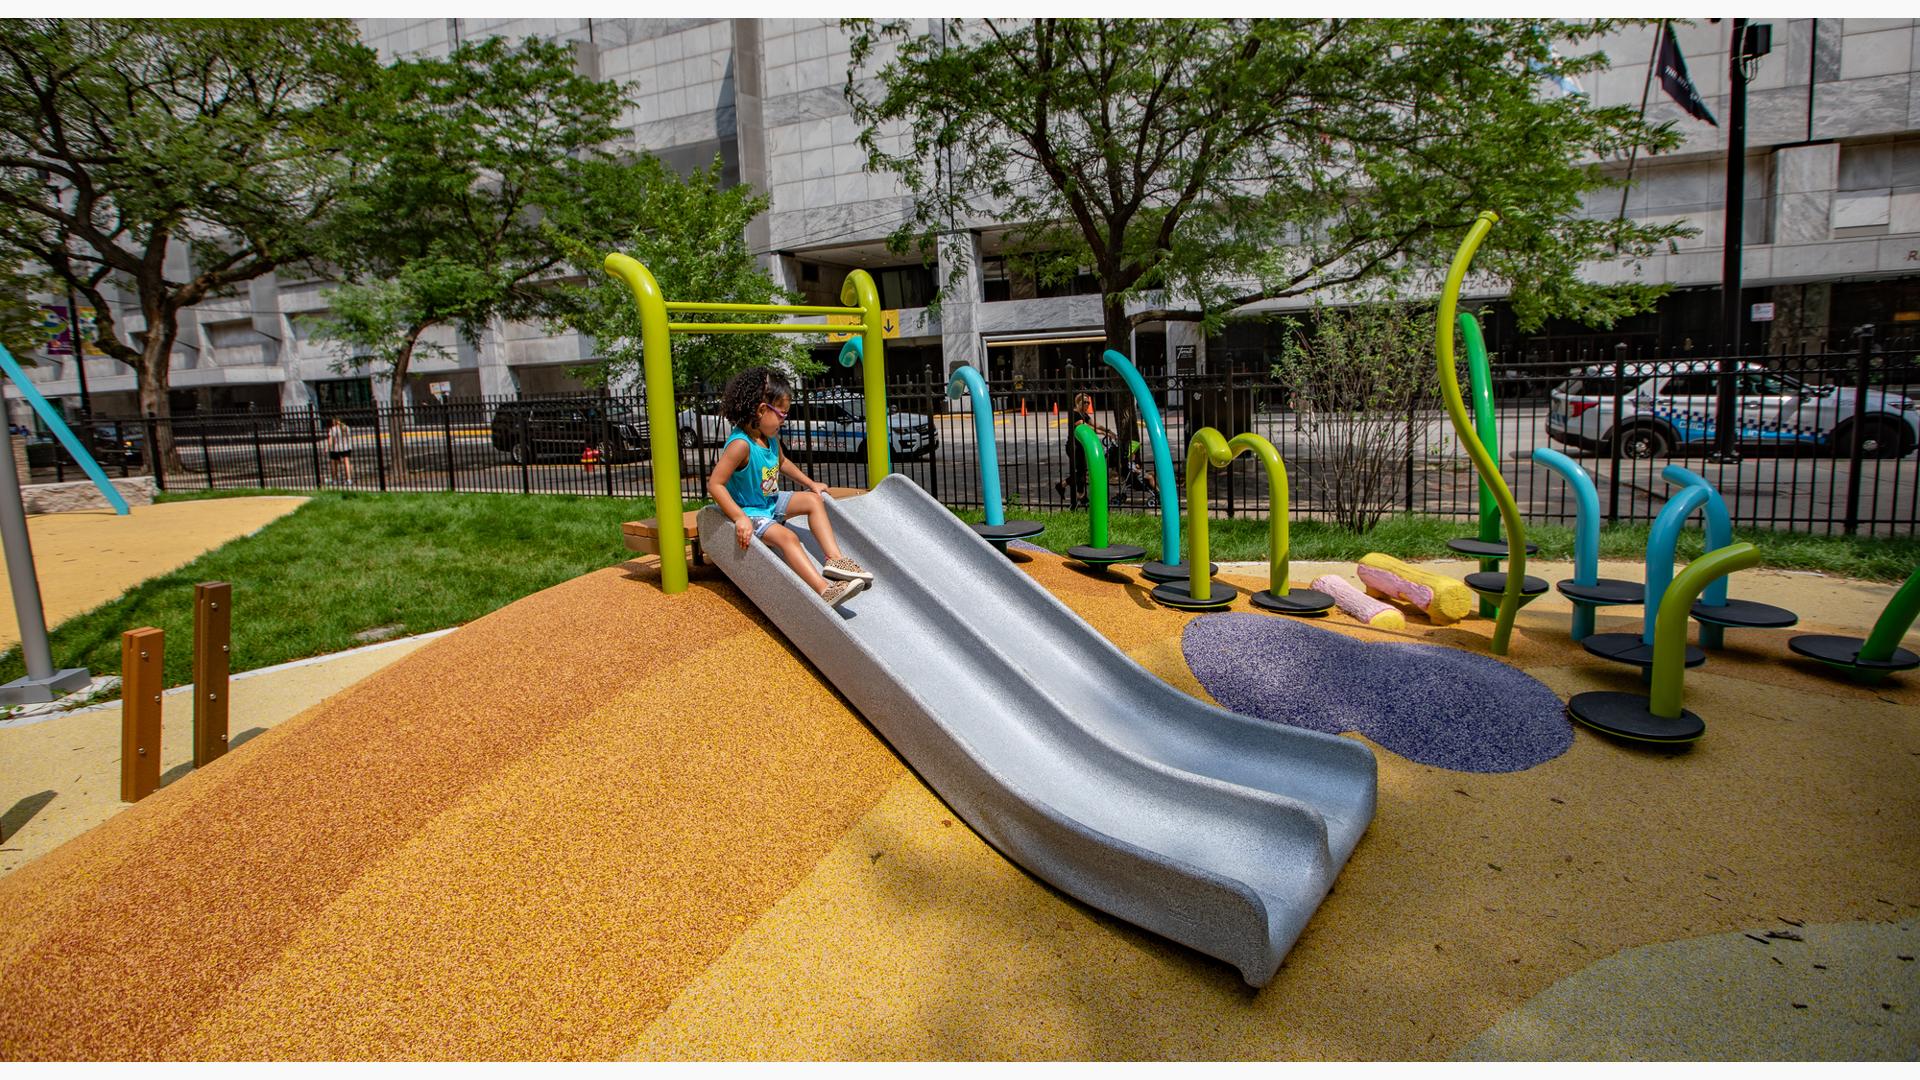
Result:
pixel 1428 703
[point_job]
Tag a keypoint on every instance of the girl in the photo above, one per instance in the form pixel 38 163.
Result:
pixel 339 452
pixel 746 486
pixel 1075 485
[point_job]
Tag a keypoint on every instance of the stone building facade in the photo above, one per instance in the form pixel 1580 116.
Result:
pixel 1832 213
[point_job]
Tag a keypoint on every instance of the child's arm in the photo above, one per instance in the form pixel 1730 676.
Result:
pixel 792 472
pixel 731 458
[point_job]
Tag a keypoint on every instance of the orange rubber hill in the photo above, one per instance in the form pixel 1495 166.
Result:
pixel 603 822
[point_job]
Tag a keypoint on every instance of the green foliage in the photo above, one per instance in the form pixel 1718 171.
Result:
pixel 122 138
pixel 1186 157
pixel 690 234
pixel 1354 383
pixel 468 153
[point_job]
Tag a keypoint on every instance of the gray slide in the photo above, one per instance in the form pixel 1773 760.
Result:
pixel 1219 831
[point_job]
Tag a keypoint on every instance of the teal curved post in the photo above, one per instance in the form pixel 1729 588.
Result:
pixel 1162 458
pixel 1096 485
pixel 1719 535
pixel 1670 638
pixel 1662 542
pixel 55 424
pixel 1586 530
pixel 966 377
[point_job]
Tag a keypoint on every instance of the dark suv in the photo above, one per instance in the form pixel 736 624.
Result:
pixel 528 431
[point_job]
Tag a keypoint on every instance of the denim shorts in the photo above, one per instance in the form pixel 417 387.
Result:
pixel 780 501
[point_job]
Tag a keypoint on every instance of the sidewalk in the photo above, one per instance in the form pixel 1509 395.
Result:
pixel 62 774
pixel 88 557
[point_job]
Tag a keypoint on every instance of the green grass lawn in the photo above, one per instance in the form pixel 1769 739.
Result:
pixel 349 562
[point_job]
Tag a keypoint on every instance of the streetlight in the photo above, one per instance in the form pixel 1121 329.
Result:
pixel 1748 45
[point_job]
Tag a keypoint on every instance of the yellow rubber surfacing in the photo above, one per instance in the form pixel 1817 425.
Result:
pixel 496 849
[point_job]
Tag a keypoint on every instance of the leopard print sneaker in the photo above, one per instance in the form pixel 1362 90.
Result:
pixel 845 569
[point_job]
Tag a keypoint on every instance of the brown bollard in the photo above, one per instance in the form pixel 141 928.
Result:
pixel 141 676
pixel 212 662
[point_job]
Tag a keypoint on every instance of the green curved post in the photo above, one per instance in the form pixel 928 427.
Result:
pixel 859 291
pixel 1482 461
pixel 1486 422
pixel 1096 485
pixel 1676 604
pixel 1248 442
pixel 1893 624
pixel 1162 458
pixel 663 434
pixel 1206 448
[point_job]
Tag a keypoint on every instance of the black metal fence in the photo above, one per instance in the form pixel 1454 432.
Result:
pixel 1826 442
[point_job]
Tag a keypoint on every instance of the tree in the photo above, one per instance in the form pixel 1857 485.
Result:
pixel 469 152
pixel 121 139
pixel 1354 386
pixel 691 235
pixel 1211 163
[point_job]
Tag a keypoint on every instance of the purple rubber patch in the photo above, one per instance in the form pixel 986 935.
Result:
pixel 1428 703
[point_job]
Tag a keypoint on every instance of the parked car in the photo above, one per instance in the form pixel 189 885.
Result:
pixel 113 443
pixel 561 428
pixel 702 425
pixel 1668 405
pixel 837 425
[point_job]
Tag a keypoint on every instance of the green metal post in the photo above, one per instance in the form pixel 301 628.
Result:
pixel 1486 425
pixel 663 433
pixel 1893 624
pixel 1463 427
pixel 859 291
pixel 1206 448
pixel 1096 485
pixel 1670 630
pixel 1277 513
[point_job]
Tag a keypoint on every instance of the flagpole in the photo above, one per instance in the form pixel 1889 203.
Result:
pixel 1646 87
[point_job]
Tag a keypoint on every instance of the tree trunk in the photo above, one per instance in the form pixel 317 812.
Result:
pixel 155 379
pixel 1119 333
pixel 397 401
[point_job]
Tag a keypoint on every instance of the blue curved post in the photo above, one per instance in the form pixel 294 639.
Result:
pixel 1162 458
pixel 1719 535
pixel 976 387
pixel 1586 530
pixel 51 416
pixel 1661 544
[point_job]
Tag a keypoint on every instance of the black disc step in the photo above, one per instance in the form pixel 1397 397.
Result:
pixel 1629 649
pixel 1627 716
pixel 1494 583
pixel 1744 613
pixel 1844 652
pixel 1604 591
pixel 1159 571
pixel 1487 549
pixel 1296 602
pixel 1175 594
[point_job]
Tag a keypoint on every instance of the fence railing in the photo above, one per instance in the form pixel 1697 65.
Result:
pixel 1826 442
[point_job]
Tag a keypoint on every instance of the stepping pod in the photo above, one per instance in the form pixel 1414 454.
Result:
pixel 1097 552
pixel 1202 593
pixel 995 528
pixel 1878 655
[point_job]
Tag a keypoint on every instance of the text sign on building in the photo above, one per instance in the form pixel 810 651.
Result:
pixel 1763 313
pixel 1183 354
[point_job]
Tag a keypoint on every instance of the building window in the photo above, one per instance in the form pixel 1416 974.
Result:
pixel 994 284
pixel 809 271
pixel 904 286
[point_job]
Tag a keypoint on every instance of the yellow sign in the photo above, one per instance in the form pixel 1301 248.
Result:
pixel 889 324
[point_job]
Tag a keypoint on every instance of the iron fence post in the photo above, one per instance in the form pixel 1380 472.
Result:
pixel 259 458
pixel 1857 455
pixel 313 443
pixel 525 455
pixel 446 428
pixel 379 453
pixel 206 455
pixel 154 457
pixel 1613 468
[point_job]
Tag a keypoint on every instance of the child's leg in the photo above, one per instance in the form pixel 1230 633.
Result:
pixel 815 510
pixel 782 539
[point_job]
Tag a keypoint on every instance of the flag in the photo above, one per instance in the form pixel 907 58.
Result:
pixel 1672 68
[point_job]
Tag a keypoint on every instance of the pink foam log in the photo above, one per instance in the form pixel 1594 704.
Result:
pixel 1359 605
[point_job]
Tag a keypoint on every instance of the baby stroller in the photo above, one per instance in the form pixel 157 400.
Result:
pixel 1126 471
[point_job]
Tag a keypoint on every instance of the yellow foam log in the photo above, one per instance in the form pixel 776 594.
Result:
pixel 1444 599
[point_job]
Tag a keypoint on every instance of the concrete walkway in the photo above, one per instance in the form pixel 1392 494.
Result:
pixel 88 557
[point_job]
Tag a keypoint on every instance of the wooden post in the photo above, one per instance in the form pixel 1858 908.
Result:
pixel 140 683
pixel 212 661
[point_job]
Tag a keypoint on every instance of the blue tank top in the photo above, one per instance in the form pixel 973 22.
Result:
pixel 755 484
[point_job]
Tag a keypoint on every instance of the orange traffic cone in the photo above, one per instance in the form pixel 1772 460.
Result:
pixel 1023 406
pixel 1056 410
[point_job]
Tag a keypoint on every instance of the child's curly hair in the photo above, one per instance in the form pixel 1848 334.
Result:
pixel 740 402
